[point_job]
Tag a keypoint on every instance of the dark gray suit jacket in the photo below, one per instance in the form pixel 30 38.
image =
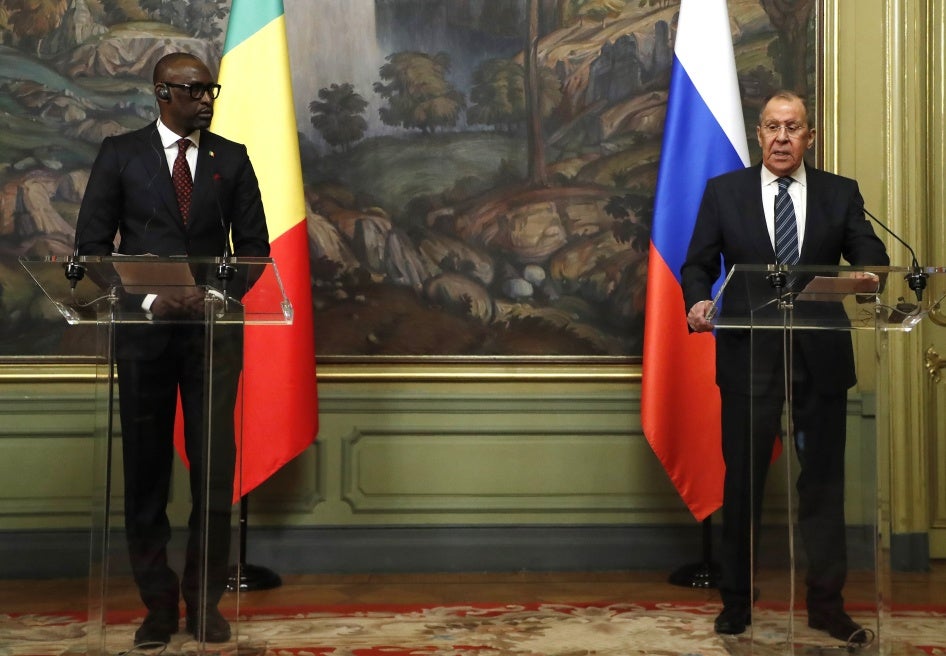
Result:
pixel 130 195
pixel 731 224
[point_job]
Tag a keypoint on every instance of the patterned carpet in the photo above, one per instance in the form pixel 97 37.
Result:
pixel 663 629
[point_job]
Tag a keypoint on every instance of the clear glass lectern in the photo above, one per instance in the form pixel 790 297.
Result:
pixel 136 305
pixel 783 332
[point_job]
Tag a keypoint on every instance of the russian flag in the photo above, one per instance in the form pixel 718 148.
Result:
pixel 704 136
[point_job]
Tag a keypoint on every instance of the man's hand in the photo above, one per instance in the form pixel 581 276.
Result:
pixel 697 317
pixel 178 303
pixel 867 286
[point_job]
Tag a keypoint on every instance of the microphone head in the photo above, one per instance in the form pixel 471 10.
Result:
pixel 74 272
pixel 916 280
pixel 225 272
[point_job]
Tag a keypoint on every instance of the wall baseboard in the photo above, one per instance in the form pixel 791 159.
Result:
pixel 306 550
pixel 910 552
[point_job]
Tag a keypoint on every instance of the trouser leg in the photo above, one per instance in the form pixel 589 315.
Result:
pixel 147 401
pixel 749 428
pixel 820 436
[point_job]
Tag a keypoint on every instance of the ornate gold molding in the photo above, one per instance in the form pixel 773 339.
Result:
pixel 933 364
pixel 937 314
pixel 483 370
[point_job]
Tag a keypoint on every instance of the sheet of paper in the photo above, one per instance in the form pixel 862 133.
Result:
pixel 143 277
pixel 832 288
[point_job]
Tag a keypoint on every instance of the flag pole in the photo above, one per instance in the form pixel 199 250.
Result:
pixel 703 574
pixel 244 576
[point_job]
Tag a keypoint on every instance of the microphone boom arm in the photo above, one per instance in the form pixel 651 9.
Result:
pixel 916 279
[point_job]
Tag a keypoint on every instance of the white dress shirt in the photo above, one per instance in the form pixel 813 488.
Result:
pixel 169 140
pixel 798 190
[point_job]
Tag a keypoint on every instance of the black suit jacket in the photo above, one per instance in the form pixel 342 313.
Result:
pixel 731 224
pixel 130 195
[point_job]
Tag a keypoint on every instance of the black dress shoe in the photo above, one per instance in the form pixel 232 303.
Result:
pixel 215 628
pixel 839 626
pixel 733 620
pixel 158 627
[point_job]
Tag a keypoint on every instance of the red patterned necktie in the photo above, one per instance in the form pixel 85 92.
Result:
pixel 181 177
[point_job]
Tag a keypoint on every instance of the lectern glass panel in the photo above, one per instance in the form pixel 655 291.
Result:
pixel 169 335
pixel 811 534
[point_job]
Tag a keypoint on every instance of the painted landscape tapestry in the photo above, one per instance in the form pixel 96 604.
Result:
pixel 479 174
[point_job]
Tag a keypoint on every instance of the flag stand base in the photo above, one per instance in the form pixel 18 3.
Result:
pixel 704 574
pixel 252 577
pixel 696 575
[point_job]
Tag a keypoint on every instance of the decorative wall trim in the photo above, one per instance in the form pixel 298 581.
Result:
pixel 910 552
pixel 400 549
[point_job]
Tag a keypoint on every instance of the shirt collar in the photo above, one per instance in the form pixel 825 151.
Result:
pixel 169 138
pixel 798 175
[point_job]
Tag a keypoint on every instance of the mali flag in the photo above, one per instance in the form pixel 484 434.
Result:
pixel 704 136
pixel 280 407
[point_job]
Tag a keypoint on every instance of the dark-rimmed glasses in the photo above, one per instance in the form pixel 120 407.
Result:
pixel 197 90
pixel 793 130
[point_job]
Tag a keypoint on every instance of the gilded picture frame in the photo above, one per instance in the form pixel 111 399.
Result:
pixel 460 231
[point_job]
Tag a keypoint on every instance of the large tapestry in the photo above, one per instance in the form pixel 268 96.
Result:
pixel 479 174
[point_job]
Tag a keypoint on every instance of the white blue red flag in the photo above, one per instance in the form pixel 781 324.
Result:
pixel 704 136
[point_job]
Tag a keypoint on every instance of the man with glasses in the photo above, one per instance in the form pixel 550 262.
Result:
pixel 781 211
pixel 173 188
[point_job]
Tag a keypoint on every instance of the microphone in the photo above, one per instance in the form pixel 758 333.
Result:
pixel 778 280
pixel 225 271
pixel 75 270
pixel 916 279
pixel 776 277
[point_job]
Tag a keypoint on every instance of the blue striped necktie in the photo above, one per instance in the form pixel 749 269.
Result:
pixel 786 231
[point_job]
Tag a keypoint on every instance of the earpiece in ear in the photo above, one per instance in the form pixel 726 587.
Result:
pixel 162 92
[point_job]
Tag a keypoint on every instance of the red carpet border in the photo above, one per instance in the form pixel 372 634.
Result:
pixel 625 629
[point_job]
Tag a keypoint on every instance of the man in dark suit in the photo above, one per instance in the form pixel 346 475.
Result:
pixel 214 199
pixel 737 221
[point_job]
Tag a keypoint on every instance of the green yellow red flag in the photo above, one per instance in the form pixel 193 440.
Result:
pixel 280 407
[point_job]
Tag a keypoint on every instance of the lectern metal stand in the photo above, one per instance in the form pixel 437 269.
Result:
pixel 110 294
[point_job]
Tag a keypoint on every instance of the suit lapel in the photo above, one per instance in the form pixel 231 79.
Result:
pixel 753 215
pixel 815 223
pixel 204 183
pixel 159 171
